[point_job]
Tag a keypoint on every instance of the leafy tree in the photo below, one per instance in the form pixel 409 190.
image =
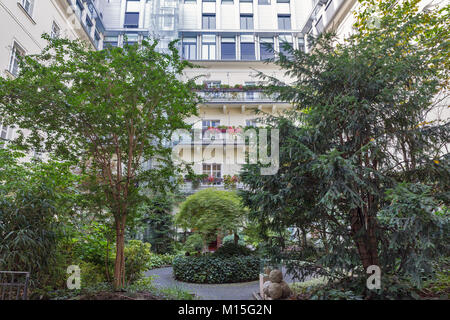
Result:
pixel 359 148
pixel 109 111
pixel 210 211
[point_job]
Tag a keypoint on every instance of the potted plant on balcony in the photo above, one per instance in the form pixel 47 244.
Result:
pixel 230 182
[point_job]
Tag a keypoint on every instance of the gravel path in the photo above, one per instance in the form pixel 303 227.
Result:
pixel 229 291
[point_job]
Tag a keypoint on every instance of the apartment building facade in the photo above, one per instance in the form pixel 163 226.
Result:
pixel 22 23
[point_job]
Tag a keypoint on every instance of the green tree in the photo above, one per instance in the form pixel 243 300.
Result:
pixel 211 211
pixel 359 129
pixel 110 111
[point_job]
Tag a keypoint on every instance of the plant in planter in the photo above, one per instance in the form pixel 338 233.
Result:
pixel 230 182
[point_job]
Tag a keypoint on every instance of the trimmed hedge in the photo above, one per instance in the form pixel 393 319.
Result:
pixel 216 269
pixel 231 249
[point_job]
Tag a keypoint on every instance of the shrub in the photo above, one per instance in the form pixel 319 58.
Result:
pixel 216 269
pixel 194 243
pixel 137 255
pixel 230 238
pixel 160 260
pixel 231 249
pixel 91 274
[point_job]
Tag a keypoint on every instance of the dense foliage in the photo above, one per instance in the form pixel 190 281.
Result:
pixel 109 111
pixel 216 269
pixel 211 211
pixel 364 167
pixel 232 249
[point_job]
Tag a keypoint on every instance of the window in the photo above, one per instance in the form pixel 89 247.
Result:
pixel 301 44
pixel 79 8
pixel 209 21
pixel 132 14
pixel 208 47
pixel 266 48
pixel 250 123
pixel 14 61
pixel 250 95
pixel 56 30
pixel 247 48
pixel 88 24
pixel 263 1
pixel 213 170
pixel 228 49
pixel 284 22
pixel 283 1
pixel 210 123
pixel 246 21
pixel 131 20
pixel 5 133
pixel 189 50
pixel 130 38
pixel 227 1
pixel 110 41
pixel 206 124
pixel 28 6
pixel 212 84
pixel 285 44
pixel 96 38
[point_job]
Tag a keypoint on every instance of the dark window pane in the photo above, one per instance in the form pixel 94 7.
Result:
pixel 131 20
pixel 266 51
pixel 247 51
pixel 228 51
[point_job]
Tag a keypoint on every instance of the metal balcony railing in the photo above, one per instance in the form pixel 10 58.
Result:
pixel 235 96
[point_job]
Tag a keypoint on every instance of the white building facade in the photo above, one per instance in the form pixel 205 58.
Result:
pixel 22 23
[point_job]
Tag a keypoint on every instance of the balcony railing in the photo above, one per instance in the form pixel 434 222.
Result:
pixel 221 95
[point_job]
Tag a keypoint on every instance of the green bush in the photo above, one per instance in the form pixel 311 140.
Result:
pixel 91 274
pixel 231 249
pixel 137 255
pixel 230 238
pixel 160 260
pixel 194 243
pixel 216 269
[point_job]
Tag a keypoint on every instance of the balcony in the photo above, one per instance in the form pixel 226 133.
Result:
pixel 188 188
pixel 235 95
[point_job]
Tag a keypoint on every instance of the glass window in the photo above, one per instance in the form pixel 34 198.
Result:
pixel 246 21
pixel 110 41
pixel 263 1
pixel 213 170
pixel 228 49
pixel 247 47
pixel 14 61
pixel 190 48
pixel 301 44
pixel 131 20
pixel 284 22
pixel 266 48
pixel 209 21
pixel 285 44
pixel 55 30
pixel 208 47
pixel 28 6
pixel 283 1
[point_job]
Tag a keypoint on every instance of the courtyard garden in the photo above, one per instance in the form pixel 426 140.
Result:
pixel 90 201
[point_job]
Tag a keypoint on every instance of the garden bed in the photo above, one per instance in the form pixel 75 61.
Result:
pixel 214 269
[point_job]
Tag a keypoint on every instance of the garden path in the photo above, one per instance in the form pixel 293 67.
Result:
pixel 228 291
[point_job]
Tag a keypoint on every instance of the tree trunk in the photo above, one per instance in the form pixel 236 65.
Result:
pixel 119 266
pixel 365 238
pixel 236 238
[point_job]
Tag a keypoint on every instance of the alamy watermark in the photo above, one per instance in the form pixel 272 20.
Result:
pixel 228 146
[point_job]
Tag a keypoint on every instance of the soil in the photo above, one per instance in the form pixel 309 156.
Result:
pixel 107 295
